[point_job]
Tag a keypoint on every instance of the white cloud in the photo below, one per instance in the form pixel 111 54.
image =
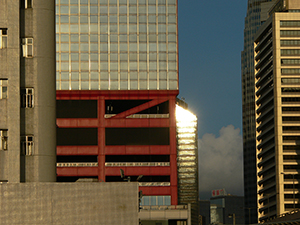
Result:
pixel 221 162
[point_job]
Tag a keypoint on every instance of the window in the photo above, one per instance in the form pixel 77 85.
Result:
pixel 27 98
pixel 27 47
pixel 27 145
pixel 3 139
pixel 26 4
pixel 3 88
pixel 3 38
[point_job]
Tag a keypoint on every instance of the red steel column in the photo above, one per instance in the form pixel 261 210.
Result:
pixel 101 138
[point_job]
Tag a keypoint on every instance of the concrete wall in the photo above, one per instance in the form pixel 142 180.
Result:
pixel 10 107
pixel 69 203
pixel 38 72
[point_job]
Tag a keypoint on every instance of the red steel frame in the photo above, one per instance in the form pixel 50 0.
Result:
pixel 120 120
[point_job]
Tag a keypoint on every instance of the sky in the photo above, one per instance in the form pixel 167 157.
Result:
pixel 210 45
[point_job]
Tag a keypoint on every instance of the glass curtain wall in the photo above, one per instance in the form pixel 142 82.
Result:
pixel 187 160
pixel 116 45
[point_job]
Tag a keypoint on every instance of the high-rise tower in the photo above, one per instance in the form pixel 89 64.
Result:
pixel 27 91
pixel 256 15
pixel 277 71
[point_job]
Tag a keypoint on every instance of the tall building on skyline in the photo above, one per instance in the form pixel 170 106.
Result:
pixel 27 91
pixel 276 52
pixel 256 15
pixel 117 82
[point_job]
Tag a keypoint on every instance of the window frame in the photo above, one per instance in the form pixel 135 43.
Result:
pixel 27 46
pixel 3 140
pixel 27 4
pixel 3 38
pixel 3 86
pixel 27 145
pixel 27 98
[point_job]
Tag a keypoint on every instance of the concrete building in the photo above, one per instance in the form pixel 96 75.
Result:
pixel 204 212
pixel 257 13
pixel 227 209
pixel 277 97
pixel 27 91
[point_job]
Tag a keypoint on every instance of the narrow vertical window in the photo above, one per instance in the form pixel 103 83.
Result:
pixel 27 145
pixel 3 140
pixel 3 88
pixel 27 47
pixel 27 98
pixel 26 4
pixel 3 38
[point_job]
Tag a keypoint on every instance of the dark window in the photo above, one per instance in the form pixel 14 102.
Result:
pixel 118 106
pixel 137 158
pixel 137 136
pixel 143 179
pixel 76 109
pixel 74 179
pixel 77 158
pixel 77 136
pixel 25 4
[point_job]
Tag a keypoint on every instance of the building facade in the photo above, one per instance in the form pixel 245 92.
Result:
pixel 27 91
pixel 276 50
pixel 117 82
pixel 257 13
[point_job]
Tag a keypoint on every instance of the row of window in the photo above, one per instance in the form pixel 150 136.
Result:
pixel 26 143
pixel 289 33
pixel 115 2
pixel 121 10
pixel 117 85
pixel 290 62
pixel 290 80
pixel 115 38
pixel 115 28
pixel 115 66
pixel 290 23
pixel 27 43
pixel 95 76
pixel 156 200
pixel 113 47
pixel 290 42
pixel 104 57
pixel 290 71
pixel 142 19
pixel 287 52
pixel 27 94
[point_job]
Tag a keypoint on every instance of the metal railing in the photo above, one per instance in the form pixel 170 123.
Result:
pixel 81 164
pixel 137 164
pixel 153 184
pixel 163 207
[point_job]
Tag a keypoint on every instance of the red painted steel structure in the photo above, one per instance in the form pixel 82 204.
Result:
pixel 120 121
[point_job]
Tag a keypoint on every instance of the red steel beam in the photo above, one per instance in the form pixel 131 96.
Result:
pixel 139 108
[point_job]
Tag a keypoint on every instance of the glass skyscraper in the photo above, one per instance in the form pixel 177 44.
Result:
pixel 256 15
